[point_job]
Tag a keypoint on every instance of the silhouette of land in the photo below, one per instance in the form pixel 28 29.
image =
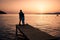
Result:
pixel 31 33
pixel 2 12
pixel 50 13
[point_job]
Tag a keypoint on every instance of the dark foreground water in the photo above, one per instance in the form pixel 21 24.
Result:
pixel 47 23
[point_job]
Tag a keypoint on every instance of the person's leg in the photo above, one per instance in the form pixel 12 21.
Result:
pixel 23 21
pixel 20 22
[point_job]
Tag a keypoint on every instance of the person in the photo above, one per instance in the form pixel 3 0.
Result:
pixel 21 17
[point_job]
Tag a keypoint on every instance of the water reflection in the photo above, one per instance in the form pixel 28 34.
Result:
pixel 47 23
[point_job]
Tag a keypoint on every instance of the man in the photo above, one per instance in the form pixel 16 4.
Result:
pixel 21 17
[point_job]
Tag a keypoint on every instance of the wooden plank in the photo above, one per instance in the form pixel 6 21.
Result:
pixel 34 33
pixel 21 35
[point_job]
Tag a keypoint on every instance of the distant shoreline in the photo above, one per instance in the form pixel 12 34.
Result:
pixel 35 13
pixel 2 12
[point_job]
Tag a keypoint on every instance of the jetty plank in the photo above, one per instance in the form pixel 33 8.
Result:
pixel 34 33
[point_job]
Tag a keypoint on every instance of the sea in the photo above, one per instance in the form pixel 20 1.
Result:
pixel 45 22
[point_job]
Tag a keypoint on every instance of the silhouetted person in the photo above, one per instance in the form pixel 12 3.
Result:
pixel 21 17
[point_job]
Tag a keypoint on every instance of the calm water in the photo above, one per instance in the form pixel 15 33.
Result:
pixel 47 23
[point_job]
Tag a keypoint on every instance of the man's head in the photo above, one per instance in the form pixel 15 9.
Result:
pixel 20 10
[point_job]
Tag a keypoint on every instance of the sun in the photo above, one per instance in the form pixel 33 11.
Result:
pixel 42 8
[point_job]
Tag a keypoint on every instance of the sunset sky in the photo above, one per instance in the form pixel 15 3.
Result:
pixel 30 6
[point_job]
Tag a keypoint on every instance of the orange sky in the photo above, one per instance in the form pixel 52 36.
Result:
pixel 30 6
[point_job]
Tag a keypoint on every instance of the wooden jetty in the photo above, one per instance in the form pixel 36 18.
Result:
pixel 30 33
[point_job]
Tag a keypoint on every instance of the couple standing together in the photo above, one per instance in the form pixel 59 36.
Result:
pixel 21 17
